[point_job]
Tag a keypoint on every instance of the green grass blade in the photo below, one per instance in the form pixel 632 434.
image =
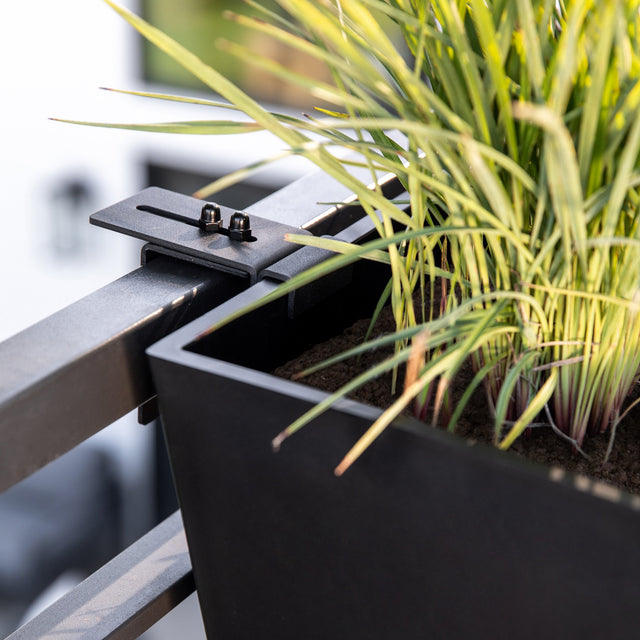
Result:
pixel 536 405
pixel 198 128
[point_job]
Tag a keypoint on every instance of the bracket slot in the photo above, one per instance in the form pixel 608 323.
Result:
pixel 169 215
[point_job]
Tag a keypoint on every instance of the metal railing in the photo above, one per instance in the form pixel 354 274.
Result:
pixel 66 378
pixel 74 373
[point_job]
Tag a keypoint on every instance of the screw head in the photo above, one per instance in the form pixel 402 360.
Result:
pixel 240 226
pixel 210 218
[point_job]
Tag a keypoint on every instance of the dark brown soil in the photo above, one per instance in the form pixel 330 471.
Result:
pixel 540 445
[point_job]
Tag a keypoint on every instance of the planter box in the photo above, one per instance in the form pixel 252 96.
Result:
pixel 425 537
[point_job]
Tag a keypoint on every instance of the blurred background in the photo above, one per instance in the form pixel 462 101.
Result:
pixel 68 519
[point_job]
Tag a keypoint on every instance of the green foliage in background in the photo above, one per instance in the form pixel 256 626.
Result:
pixel 197 24
pixel 522 127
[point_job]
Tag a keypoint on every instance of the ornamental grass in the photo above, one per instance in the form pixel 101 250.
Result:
pixel 519 153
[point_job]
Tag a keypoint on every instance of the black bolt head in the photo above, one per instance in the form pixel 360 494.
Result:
pixel 210 218
pixel 240 226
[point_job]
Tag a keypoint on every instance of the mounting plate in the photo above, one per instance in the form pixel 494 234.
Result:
pixel 170 220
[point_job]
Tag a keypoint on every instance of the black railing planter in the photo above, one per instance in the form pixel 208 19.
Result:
pixel 425 536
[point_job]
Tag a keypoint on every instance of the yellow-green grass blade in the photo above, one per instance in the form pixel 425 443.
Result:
pixel 628 164
pixel 536 405
pixel 348 72
pixel 173 98
pixel 370 199
pixel 534 59
pixel 477 380
pixel 203 127
pixel 449 230
pixel 593 104
pixel 326 404
pixel 563 177
pixel 234 177
pixel 273 17
pixel 286 118
pixel 338 261
pixel 337 246
pixel 351 57
pixel 316 88
pixel 437 367
pixel 207 74
pixel 494 59
pixel 432 133
pixel 390 414
pixel 482 112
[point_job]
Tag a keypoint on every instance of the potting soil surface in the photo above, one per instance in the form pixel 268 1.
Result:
pixel 538 444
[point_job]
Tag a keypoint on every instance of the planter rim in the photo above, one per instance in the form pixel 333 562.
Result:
pixel 173 348
pixel 176 341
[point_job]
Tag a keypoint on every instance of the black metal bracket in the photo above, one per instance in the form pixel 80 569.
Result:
pixel 182 226
pixel 307 257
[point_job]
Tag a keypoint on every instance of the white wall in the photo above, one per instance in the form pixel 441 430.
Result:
pixel 54 56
